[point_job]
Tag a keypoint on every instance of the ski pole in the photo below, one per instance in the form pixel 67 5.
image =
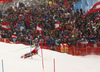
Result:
pixel 22 48
pixel 25 48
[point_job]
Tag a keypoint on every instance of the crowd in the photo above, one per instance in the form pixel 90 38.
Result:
pixel 74 28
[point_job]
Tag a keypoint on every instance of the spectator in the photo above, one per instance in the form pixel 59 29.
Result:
pixel 78 26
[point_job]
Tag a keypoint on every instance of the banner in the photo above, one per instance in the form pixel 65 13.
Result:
pixel 95 8
pixel 5 26
pixel 64 47
pixel 85 5
pixel 97 18
pixel 14 36
pixel 56 25
pixel 39 28
pixel 3 1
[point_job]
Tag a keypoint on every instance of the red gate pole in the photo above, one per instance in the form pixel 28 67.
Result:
pixel 42 55
pixel 54 64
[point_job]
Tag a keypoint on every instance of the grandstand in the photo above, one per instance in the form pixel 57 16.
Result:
pixel 53 22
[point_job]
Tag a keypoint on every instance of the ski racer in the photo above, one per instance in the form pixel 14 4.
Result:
pixel 33 52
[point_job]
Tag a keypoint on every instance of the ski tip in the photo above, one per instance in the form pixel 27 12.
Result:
pixel 21 56
pixel 25 57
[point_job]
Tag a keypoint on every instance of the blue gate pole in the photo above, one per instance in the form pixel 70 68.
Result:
pixel 2 66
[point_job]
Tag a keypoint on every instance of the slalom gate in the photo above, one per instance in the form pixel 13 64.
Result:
pixel 78 50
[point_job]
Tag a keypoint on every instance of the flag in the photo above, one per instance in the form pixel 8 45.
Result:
pixel 39 28
pixel 3 1
pixel 20 15
pixel 56 25
pixel 97 18
pixel 14 36
pixel 86 3
pixel 95 8
pixel 5 26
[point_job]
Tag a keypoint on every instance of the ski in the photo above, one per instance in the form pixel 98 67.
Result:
pixel 27 55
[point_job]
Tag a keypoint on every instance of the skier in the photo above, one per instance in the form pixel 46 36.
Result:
pixel 33 52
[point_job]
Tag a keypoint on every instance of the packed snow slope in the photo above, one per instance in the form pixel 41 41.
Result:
pixel 10 53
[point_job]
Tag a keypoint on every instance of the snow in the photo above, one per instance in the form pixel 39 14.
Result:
pixel 10 54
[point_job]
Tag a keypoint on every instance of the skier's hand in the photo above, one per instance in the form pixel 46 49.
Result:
pixel 32 45
pixel 36 53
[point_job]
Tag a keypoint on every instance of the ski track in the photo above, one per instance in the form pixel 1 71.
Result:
pixel 63 61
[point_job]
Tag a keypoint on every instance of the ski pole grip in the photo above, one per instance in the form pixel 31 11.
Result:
pixel 32 45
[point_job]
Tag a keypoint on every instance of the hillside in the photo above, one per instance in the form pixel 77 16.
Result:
pixel 10 54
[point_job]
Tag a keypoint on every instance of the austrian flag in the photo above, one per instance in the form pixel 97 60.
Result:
pixel 95 8
pixel 5 26
pixel 39 28
pixel 56 25
pixel 5 1
pixel 14 36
